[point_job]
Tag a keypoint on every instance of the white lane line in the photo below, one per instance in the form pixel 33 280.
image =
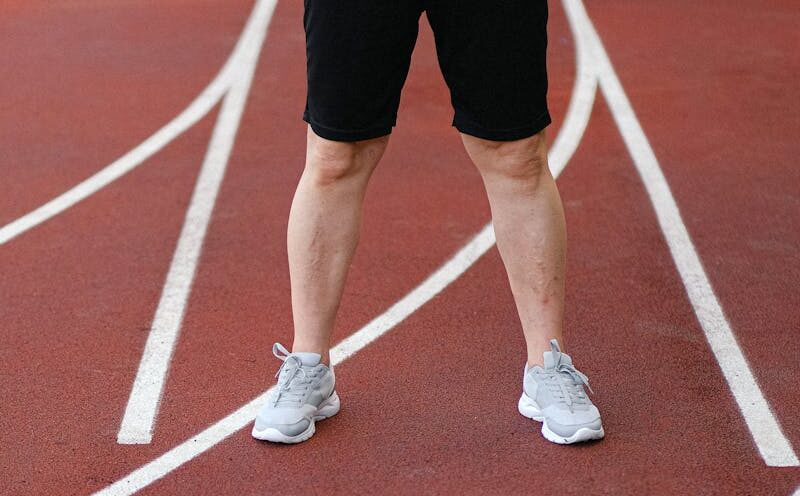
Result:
pixel 773 445
pixel 573 126
pixel 201 105
pixel 580 106
pixel 200 443
pixel 420 295
pixel 137 423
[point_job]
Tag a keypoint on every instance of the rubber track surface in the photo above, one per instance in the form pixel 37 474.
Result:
pixel 430 408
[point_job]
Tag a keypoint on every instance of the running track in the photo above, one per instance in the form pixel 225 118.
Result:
pixel 429 406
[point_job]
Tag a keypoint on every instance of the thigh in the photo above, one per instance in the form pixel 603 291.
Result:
pixel 493 57
pixel 358 54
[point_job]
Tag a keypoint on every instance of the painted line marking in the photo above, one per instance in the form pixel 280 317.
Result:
pixel 410 303
pixel 348 347
pixel 140 413
pixel 196 110
pixel 566 143
pixel 773 445
pixel 580 106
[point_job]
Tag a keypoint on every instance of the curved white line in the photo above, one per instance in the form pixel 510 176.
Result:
pixel 148 386
pixel 574 125
pixel 769 438
pixel 201 105
pixel 580 106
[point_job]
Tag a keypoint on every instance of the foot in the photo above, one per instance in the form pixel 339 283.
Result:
pixel 304 394
pixel 554 395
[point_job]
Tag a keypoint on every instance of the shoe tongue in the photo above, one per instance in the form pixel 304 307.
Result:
pixel 308 359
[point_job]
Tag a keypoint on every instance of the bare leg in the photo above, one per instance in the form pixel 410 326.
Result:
pixel 323 232
pixel 530 229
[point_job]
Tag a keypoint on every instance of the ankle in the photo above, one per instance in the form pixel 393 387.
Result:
pixel 323 352
pixel 533 363
pixel 536 354
pixel 536 357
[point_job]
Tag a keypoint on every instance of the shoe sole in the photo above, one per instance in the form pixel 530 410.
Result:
pixel 528 408
pixel 326 409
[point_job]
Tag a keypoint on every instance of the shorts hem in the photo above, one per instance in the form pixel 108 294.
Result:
pixel 334 134
pixel 511 134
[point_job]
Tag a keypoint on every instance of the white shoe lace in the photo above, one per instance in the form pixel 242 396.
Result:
pixel 293 381
pixel 565 383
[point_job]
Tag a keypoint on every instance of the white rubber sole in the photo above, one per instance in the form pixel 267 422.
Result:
pixel 528 408
pixel 326 409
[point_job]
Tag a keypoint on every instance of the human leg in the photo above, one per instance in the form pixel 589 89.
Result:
pixel 323 232
pixel 358 53
pixel 492 54
pixel 529 226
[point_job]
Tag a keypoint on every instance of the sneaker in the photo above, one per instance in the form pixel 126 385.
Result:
pixel 304 394
pixel 554 395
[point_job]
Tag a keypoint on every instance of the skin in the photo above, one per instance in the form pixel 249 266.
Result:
pixel 325 221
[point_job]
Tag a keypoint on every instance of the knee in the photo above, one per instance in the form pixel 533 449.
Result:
pixel 522 161
pixel 330 162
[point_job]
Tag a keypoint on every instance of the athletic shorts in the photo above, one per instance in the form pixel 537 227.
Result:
pixel 491 53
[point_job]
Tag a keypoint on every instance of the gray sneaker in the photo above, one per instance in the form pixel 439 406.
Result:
pixel 554 395
pixel 304 394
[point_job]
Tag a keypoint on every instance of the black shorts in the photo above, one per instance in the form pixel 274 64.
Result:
pixel 491 53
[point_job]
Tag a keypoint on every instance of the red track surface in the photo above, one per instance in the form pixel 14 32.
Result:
pixel 430 407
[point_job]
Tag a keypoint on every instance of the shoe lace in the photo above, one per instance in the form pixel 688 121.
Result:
pixel 293 380
pixel 566 384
